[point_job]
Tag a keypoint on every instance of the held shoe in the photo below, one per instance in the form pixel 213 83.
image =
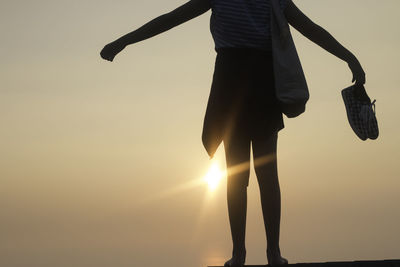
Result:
pixel 360 112
pixel 368 117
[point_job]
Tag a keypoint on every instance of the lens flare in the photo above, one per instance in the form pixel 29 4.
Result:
pixel 213 176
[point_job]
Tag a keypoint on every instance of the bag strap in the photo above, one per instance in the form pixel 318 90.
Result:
pixel 280 19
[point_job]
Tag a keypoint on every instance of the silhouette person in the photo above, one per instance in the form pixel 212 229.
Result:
pixel 242 109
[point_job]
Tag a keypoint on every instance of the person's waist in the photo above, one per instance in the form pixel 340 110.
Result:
pixel 244 51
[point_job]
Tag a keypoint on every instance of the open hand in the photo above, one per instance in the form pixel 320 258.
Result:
pixel 358 72
pixel 111 50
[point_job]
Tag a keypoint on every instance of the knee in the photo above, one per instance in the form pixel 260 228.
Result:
pixel 267 178
pixel 238 182
pixel 267 171
pixel 268 185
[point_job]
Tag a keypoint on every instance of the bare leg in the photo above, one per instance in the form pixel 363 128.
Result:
pixel 237 153
pixel 265 162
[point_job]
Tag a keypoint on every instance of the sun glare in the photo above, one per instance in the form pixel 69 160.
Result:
pixel 213 176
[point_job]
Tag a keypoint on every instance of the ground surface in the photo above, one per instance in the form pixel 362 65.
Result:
pixel 384 263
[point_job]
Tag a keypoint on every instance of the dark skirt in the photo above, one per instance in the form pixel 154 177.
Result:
pixel 242 99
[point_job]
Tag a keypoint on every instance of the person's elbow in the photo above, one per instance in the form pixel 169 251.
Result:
pixel 311 29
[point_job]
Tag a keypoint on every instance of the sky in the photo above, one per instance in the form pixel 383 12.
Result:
pixel 101 163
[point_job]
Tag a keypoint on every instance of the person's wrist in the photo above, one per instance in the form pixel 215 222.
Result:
pixel 351 59
pixel 120 43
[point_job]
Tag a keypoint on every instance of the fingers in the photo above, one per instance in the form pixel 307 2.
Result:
pixel 358 78
pixel 358 72
pixel 361 76
pixel 103 56
pixel 107 55
pixel 103 53
pixel 361 79
pixel 108 58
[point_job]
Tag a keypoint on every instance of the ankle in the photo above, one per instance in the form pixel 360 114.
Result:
pixel 273 252
pixel 239 251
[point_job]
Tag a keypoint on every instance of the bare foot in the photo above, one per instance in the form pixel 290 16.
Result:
pixel 237 260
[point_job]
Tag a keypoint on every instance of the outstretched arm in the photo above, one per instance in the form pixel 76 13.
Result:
pixel 163 23
pixel 324 39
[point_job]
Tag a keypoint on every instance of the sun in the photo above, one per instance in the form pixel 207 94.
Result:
pixel 213 176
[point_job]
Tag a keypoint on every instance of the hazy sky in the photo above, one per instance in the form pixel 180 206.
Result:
pixel 95 156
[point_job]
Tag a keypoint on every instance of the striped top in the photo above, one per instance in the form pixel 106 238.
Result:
pixel 242 23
